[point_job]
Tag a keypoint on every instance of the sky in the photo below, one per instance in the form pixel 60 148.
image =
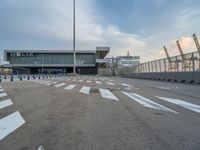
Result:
pixel 141 27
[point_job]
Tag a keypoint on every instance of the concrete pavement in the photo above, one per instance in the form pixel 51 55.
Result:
pixel 90 112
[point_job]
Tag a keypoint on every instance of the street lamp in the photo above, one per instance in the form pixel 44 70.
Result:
pixel 74 42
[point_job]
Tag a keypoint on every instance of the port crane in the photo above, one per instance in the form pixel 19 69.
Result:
pixel 172 62
pixel 186 62
pixel 198 47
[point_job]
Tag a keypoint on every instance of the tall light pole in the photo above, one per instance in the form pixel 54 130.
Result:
pixel 74 40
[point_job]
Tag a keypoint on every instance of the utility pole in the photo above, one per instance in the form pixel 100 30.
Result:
pixel 74 36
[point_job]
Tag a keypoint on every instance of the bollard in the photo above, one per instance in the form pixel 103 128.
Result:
pixel 20 78
pixel 38 77
pixel 0 80
pixel 28 77
pixel 5 77
pixel 11 79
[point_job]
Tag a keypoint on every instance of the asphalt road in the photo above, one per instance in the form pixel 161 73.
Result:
pixel 99 113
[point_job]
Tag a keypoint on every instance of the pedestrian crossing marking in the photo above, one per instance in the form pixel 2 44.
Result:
pixel 85 90
pixel 105 93
pixel 59 85
pixel 5 103
pixel 10 123
pixel 98 82
pixel 3 94
pixel 110 83
pixel 70 87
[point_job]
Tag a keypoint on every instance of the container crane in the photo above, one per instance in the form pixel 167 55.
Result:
pixel 186 62
pixel 198 47
pixel 172 62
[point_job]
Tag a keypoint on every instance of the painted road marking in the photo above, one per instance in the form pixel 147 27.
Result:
pixel 59 85
pixel 54 83
pixel 98 82
pixel 80 80
pixel 5 103
pixel 41 148
pixel 10 123
pixel 48 83
pixel 124 84
pixel 88 81
pixel 105 93
pixel 146 102
pixel 182 103
pixel 110 83
pixel 1 90
pixel 70 87
pixel 85 90
pixel 3 94
pixel 44 82
pixel 171 87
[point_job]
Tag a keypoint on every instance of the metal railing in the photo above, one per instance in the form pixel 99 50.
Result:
pixel 176 64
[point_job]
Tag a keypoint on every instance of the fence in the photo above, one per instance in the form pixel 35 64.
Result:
pixel 175 64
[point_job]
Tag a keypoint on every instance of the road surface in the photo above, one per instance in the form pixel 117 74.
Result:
pixel 99 113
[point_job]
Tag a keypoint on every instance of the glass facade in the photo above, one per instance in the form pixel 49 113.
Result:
pixel 51 58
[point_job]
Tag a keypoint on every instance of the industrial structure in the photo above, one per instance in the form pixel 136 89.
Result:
pixel 55 61
pixel 172 62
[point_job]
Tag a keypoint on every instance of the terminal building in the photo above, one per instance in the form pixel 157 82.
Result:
pixel 55 61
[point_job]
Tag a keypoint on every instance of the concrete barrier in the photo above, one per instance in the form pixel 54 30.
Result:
pixel 185 77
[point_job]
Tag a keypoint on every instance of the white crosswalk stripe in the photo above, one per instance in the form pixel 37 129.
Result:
pixel 110 83
pixel 1 90
pixel 59 85
pixel 98 82
pixel 3 94
pixel 105 93
pixel 182 103
pixel 48 83
pixel 146 102
pixel 5 103
pixel 70 87
pixel 124 84
pixel 10 123
pixel 88 81
pixel 54 83
pixel 85 90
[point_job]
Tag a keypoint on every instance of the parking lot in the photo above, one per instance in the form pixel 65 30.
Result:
pixel 91 112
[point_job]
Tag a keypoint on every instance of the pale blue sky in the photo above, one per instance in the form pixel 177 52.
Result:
pixel 140 26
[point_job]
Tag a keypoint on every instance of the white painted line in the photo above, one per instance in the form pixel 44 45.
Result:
pixel 5 103
pixel 3 94
pixel 182 103
pixel 41 148
pixel 1 90
pixel 48 83
pixel 146 102
pixel 105 93
pixel 44 82
pixel 54 83
pixel 124 84
pixel 110 83
pixel 59 85
pixel 88 81
pixel 10 123
pixel 70 87
pixel 85 90
pixel 74 80
pixel 98 82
